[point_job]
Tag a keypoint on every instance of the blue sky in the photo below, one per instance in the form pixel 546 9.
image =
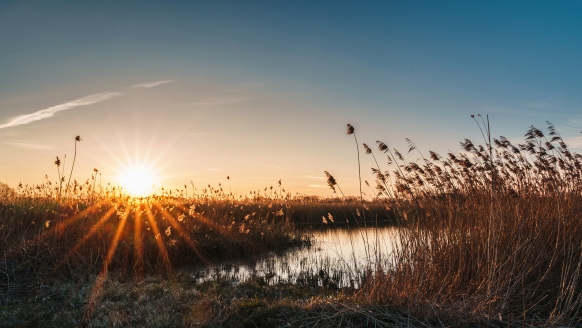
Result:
pixel 263 90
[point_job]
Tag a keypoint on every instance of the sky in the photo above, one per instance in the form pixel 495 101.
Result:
pixel 262 90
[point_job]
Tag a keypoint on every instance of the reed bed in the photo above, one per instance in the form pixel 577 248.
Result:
pixel 493 233
pixel 489 236
pixel 84 233
pixel 48 231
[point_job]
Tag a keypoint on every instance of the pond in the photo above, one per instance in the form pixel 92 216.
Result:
pixel 338 257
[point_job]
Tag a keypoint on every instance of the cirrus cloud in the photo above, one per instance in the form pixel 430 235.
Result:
pixel 151 84
pixel 85 101
pixel 50 112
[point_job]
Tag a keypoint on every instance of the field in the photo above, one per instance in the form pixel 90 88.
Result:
pixel 489 236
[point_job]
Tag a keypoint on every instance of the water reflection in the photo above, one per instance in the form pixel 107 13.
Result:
pixel 339 257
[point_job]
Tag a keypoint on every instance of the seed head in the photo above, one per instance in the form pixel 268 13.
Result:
pixel 350 129
pixel 330 181
pixel 382 146
pixel 78 138
pixel 368 150
pixel 58 162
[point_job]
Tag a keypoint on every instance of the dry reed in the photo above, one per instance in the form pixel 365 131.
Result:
pixel 491 233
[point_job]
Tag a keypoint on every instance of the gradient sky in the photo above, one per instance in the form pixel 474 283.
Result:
pixel 262 91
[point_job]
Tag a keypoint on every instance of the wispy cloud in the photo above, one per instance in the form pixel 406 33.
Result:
pixel 151 84
pixel 85 101
pixel 574 121
pixel 29 146
pixel 573 142
pixel 50 112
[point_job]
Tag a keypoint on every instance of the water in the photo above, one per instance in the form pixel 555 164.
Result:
pixel 339 258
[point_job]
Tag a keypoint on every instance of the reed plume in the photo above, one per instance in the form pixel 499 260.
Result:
pixel 351 130
pixel 77 139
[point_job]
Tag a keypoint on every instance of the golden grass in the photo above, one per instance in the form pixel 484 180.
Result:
pixel 81 233
pixel 492 235
pixel 494 232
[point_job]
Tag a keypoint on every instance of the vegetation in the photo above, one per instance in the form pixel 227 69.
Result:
pixel 493 233
pixel 489 236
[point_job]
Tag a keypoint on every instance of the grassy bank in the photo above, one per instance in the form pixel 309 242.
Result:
pixel 181 302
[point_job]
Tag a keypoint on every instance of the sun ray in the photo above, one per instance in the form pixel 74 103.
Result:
pixel 122 154
pixel 138 244
pixel 96 290
pixel 209 223
pixel 104 146
pixel 115 241
pixel 122 145
pixel 86 237
pixel 151 145
pixel 177 204
pixel 159 240
pixel 59 227
pixel 199 217
pixel 162 160
pixel 193 244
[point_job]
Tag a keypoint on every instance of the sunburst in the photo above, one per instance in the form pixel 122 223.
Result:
pixel 138 180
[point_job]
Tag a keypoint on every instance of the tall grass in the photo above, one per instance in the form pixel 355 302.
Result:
pixel 494 232
pixel 45 236
pixel 491 235
pixel 91 229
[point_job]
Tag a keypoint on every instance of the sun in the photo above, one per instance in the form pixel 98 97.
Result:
pixel 137 180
